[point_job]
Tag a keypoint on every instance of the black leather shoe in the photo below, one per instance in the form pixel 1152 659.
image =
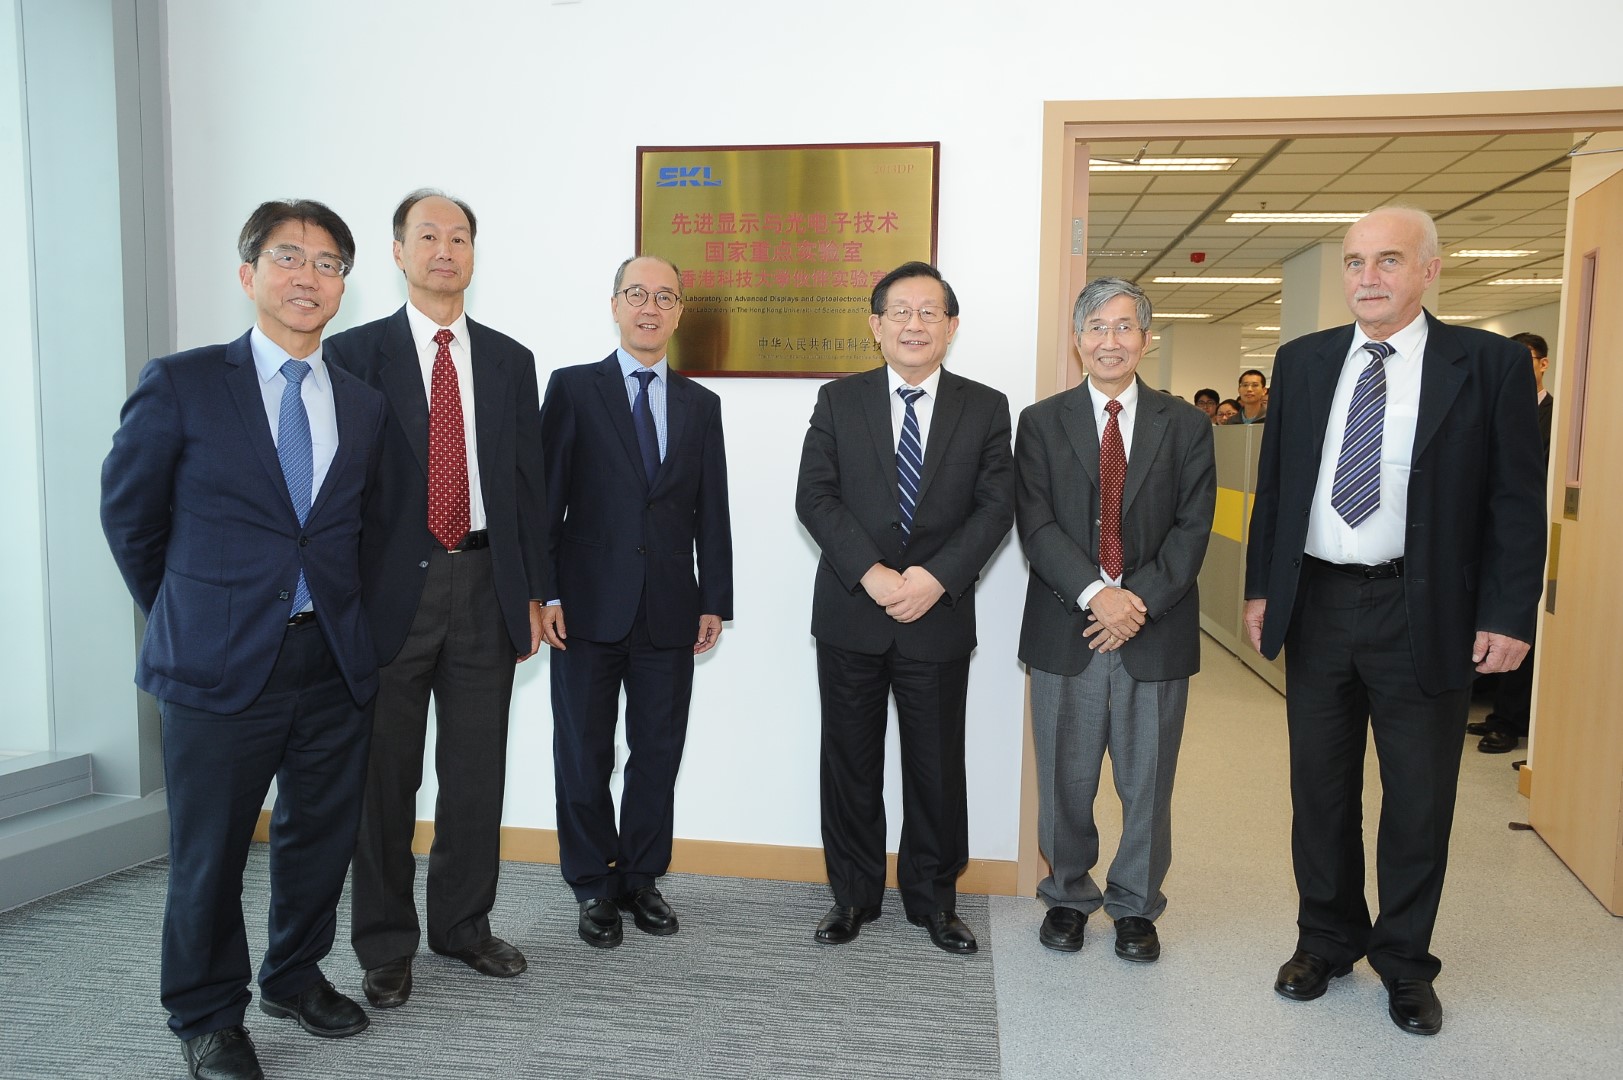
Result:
pixel 1306 976
pixel 649 911
pixel 387 986
pixel 947 931
pixel 1479 727
pixel 227 1054
pixel 600 923
pixel 1136 940
pixel 1413 1006
pixel 1498 742
pixel 320 1010
pixel 841 924
pixel 492 956
pixel 1062 929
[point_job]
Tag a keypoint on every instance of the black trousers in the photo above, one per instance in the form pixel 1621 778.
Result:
pixel 597 858
pixel 306 731
pixel 459 652
pixel 1350 670
pixel 854 688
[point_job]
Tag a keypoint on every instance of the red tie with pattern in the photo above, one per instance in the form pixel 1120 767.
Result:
pixel 1112 473
pixel 447 452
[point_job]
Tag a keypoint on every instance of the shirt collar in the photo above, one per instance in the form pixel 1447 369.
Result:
pixel 630 364
pixel 423 328
pixel 1128 397
pixel 928 385
pixel 269 358
pixel 1407 342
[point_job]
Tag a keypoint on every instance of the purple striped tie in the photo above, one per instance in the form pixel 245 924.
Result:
pixel 1356 493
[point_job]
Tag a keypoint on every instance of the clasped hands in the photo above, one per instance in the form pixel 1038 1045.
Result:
pixel 1115 615
pixel 905 596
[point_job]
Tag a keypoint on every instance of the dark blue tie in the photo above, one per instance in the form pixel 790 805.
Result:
pixel 909 459
pixel 642 418
pixel 1356 492
pixel 298 462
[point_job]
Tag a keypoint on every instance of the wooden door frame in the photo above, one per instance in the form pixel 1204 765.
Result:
pixel 1067 124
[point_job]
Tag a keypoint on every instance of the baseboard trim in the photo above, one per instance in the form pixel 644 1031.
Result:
pixel 719 858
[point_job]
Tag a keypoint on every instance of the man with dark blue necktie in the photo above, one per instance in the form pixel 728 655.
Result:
pixel 1397 550
pixel 907 485
pixel 232 503
pixel 636 497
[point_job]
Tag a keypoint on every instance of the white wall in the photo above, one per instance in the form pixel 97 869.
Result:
pixel 1544 320
pixel 533 111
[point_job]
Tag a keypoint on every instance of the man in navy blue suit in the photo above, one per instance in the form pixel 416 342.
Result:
pixel 232 504
pixel 636 488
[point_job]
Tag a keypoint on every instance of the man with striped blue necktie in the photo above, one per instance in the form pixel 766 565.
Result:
pixel 1397 550
pixel 907 486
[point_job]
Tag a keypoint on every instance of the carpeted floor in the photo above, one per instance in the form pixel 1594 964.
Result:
pixel 741 991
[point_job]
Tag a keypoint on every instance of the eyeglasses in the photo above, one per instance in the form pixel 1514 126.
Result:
pixel 291 258
pixel 903 314
pixel 1099 331
pixel 637 296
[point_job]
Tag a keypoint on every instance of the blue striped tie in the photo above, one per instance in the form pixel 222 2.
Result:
pixel 293 449
pixel 909 459
pixel 1356 493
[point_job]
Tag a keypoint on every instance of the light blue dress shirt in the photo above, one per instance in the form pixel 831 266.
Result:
pixel 656 390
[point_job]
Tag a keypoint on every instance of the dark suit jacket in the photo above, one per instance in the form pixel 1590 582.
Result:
pixel 198 517
pixel 396 543
pixel 1166 520
pixel 612 535
pixel 1546 417
pixel 847 499
pixel 1474 552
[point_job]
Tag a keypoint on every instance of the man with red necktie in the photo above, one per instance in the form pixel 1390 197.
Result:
pixel 453 570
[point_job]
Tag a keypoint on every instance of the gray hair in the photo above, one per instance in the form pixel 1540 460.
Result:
pixel 620 272
pixel 1099 292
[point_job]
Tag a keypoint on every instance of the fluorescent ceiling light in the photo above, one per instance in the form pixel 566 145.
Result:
pixel 1191 279
pixel 1461 318
pixel 1492 253
pixel 1123 254
pixel 1260 355
pixel 1163 164
pixel 1180 315
pixel 1526 281
pixel 1267 328
pixel 1292 219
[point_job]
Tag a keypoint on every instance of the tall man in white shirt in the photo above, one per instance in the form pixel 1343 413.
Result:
pixel 1116 493
pixel 453 570
pixel 1397 550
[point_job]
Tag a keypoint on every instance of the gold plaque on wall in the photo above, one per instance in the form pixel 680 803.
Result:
pixel 779 247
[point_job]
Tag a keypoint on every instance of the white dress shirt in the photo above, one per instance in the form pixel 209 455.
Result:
pixel 1124 423
pixel 1379 537
pixel 423 330
pixel 923 408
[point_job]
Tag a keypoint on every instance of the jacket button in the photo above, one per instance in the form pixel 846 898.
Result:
pixel 304 541
pixel 423 565
pixel 896 526
pixel 649 505
pixel 284 595
pixel 641 550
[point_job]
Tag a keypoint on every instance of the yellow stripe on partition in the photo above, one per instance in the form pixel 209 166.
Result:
pixel 1233 515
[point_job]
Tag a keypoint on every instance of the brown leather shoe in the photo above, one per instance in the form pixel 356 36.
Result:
pixel 388 986
pixel 492 956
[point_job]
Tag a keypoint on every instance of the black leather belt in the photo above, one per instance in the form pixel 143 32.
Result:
pixel 1378 572
pixel 472 542
pixel 302 618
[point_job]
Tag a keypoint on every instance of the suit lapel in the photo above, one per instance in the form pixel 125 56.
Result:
pixel 949 407
pixel 1441 376
pixel 1149 429
pixel 678 397
pixel 401 373
pixel 490 394
pixel 1083 431
pixel 876 408
pixel 1321 386
pixel 344 403
pixel 612 390
pixel 243 381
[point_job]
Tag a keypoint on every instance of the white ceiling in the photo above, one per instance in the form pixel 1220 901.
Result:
pixel 1486 191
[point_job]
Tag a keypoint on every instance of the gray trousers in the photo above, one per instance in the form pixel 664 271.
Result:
pixel 1074 720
